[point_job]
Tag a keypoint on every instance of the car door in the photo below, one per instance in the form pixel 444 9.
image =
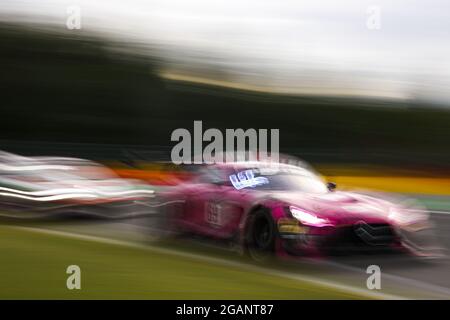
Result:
pixel 198 211
pixel 213 206
pixel 222 207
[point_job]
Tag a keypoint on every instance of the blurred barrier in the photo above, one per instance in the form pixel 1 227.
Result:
pixel 376 180
pixel 437 186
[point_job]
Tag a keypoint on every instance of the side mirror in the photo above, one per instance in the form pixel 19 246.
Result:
pixel 331 186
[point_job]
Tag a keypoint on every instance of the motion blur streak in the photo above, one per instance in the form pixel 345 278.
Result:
pixel 50 198
pixel 32 168
pixel 93 90
pixel 292 47
pixel 86 184
pixel 62 191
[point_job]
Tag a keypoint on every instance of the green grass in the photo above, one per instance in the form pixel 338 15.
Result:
pixel 33 266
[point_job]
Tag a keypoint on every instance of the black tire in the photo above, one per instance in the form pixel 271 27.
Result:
pixel 260 236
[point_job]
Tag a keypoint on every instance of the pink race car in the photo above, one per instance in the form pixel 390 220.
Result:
pixel 266 209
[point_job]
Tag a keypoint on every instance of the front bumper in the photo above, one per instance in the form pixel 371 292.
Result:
pixel 358 237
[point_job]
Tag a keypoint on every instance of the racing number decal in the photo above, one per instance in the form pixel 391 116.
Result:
pixel 213 213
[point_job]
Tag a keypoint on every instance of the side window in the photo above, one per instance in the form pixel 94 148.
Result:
pixel 213 176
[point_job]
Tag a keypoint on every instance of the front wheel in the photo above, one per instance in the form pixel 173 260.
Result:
pixel 261 236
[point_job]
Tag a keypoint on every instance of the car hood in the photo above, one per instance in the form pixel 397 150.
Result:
pixel 339 207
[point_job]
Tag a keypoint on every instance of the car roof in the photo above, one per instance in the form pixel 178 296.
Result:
pixel 241 165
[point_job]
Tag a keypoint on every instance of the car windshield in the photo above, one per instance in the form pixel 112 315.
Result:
pixel 293 181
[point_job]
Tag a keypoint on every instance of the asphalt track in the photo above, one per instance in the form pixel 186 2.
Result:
pixel 402 276
pixel 432 276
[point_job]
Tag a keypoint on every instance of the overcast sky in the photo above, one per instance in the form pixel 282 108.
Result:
pixel 290 45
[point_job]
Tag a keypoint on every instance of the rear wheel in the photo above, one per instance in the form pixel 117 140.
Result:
pixel 261 236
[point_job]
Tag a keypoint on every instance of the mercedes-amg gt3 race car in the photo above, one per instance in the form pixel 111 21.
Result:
pixel 283 209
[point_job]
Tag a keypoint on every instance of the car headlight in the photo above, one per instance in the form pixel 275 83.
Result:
pixel 308 218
